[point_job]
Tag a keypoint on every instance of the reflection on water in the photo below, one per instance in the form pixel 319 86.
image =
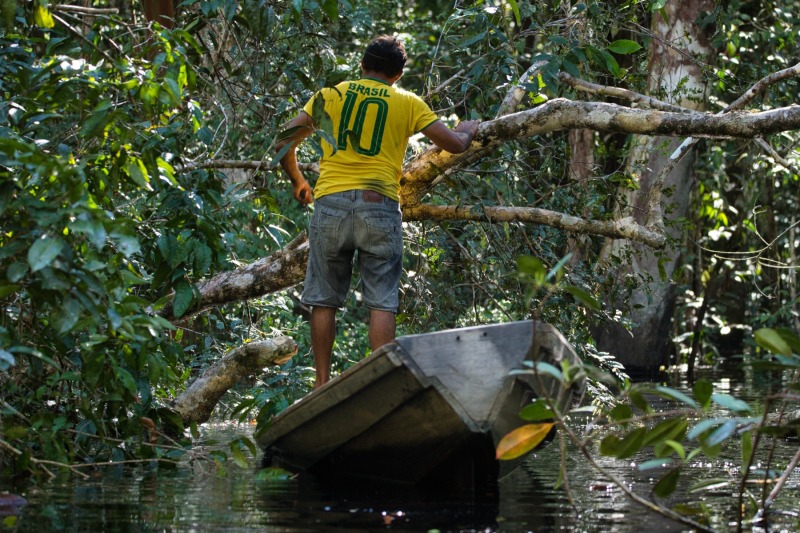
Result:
pixel 198 497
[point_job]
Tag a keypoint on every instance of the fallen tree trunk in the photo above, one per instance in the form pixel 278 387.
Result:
pixel 197 402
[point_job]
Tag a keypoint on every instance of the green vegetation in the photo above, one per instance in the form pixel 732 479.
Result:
pixel 137 161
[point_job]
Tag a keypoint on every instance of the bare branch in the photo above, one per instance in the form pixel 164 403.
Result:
pixel 242 164
pixel 517 92
pixel 624 228
pixel 84 10
pixel 761 85
pixel 623 94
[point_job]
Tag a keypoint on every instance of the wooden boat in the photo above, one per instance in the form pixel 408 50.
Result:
pixel 422 409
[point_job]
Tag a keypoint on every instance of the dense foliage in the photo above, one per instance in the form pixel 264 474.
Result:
pixel 113 198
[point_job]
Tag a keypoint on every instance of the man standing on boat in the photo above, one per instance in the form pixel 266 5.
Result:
pixel 357 191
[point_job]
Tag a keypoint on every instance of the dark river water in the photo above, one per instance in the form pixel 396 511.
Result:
pixel 201 497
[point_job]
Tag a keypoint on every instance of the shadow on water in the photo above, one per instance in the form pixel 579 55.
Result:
pixel 200 497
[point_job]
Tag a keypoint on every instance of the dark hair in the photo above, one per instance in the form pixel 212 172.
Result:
pixel 385 54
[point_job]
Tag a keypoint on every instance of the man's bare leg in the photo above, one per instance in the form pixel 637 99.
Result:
pixel 323 333
pixel 381 328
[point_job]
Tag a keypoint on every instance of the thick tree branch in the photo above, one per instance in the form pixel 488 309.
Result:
pixel 624 228
pixel 623 94
pixel 197 402
pixel 281 270
pixel 562 114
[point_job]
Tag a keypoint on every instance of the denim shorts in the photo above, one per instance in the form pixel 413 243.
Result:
pixel 346 222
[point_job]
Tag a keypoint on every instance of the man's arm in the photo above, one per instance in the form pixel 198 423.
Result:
pixel 298 129
pixel 456 140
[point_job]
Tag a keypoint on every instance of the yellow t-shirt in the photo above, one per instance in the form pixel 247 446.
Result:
pixel 371 124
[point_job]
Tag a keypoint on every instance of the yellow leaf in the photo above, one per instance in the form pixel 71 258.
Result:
pixel 522 440
pixel 42 17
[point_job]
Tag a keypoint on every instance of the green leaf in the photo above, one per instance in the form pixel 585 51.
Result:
pixel 136 170
pixel 747 447
pixel 621 412
pixel 729 402
pixel 472 39
pixel 127 381
pixel 6 360
pixel 720 434
pixel 667 430
pixel 702 392
pixel 542 367
pixel 624 46
pixel 8 289
pixel 16 271
pixel 536 411
pixel 771 340
pixel 238 455
pixel 515 11
pixel 184 296
pixel 676 395
pixel 97 120
pixel 652 464
pixel 703 426
pixel 42 17
pixel 331 8
pixel 556 270
pixel 273 474
pixel 638 400
pixel 667 484
pixel 625 447
pixel 583 297
pixel 43 252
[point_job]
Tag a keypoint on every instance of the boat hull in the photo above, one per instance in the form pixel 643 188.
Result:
pixel 423 409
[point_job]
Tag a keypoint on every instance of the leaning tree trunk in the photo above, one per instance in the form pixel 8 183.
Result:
pixel 676 51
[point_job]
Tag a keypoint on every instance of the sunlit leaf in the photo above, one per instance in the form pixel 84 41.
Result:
pixel 238 456
pixel 729 402
pixel 543 367
pixel 515 10
pixel 673 429
pixel 676 395
pixel 273 474
pixel 652 464
pixel 709 484
pixel 522 440
pixel 771 340
pixel 42 17
pixel 720 434
pixel 747 447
